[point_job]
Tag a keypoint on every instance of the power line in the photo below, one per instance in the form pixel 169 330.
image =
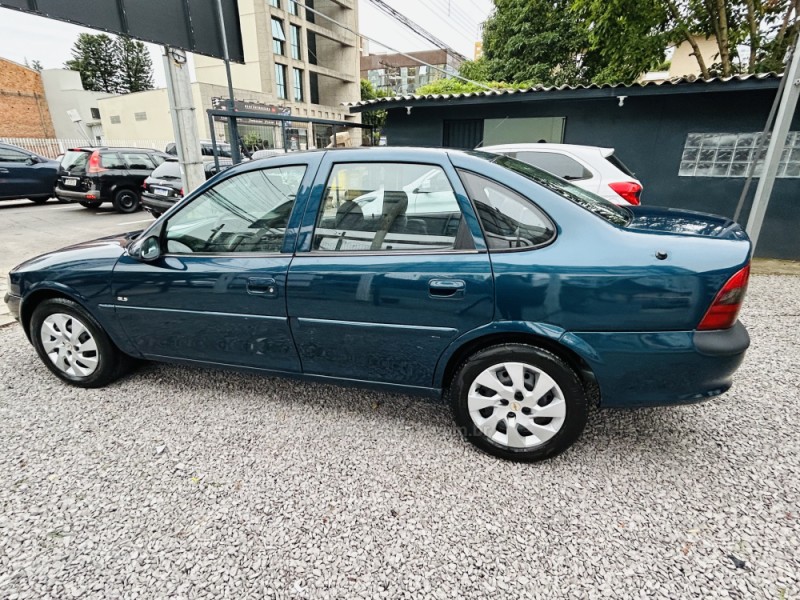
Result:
pixel 460 27
pixel 374 41
pixel 402 19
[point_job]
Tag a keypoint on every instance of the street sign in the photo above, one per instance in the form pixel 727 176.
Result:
pixel 192 25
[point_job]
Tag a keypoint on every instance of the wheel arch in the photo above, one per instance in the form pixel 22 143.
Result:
pixel 35 298
pixel 476 344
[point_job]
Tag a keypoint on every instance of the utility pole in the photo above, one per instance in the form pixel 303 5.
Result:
pixel 184 123
pixel 234 127
pixel 783 121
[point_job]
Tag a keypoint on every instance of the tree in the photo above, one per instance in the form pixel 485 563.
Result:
pixel 95 58
pixel 376 118
pixel 632 35
pixel 135 66
pixel 542 41
pixel 106 64
pixel 36 65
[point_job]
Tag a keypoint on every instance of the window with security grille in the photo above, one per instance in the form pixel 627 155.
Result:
pixel 733 154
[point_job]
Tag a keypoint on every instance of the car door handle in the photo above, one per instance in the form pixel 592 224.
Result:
pixel 262 286
pixel 446 288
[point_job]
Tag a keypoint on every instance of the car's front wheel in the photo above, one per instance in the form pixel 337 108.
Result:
pixel 73 345
pixel 518 402
pixel 126 201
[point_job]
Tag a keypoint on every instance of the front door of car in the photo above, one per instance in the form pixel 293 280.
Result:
pixel 378 296
pixel 15 174
pixel 217 294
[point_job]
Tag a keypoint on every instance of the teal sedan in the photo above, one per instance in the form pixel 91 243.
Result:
pixel 520 296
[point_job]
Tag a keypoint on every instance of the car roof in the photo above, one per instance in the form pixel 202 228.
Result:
pixel 577 149
pixel 113 148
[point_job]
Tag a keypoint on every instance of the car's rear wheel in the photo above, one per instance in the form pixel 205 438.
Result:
pixel 73 345
pixel 40 199
pixel 126 201
pixel 518 402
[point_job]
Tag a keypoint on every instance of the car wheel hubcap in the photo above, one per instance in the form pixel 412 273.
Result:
pixel 516 405
pixel 69 345
pixel 127 200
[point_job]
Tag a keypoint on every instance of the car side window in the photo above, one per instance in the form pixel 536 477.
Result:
pixel 15 156
pixel 138 160
pixel 559 165
pixel 112 160
pixel 509 221
pixel 389 207
pixel 245 213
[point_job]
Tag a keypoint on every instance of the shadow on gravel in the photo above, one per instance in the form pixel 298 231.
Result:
pixel 657 434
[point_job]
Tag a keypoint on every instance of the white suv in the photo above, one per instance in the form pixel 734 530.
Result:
pixel 594 169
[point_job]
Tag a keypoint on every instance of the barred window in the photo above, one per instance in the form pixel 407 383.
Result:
pixel 731 154
pixel 115 120
pixel 140 116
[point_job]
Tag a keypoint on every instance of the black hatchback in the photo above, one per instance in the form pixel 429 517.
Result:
pixel 91 176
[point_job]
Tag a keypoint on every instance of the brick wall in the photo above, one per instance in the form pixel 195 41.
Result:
pixel 23 108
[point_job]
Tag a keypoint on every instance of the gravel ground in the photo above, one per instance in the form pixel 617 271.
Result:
pixel 187 483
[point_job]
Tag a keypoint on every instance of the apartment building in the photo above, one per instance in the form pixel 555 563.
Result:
pixel 299 58
pixel 404 73
pixel 297 62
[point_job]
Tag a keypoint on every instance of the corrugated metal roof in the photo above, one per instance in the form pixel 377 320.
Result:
pixel 675 81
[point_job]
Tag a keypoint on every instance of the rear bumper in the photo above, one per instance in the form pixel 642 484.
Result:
pixel 661 368
pixel 159 204
pixel 76 196
pixel 13 302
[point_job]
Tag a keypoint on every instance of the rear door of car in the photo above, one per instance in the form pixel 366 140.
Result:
pixel 378 296
pixel 138 166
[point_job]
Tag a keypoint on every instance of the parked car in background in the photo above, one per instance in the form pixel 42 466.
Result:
pixel 164 187
pixel 206 149
pixel 24 174
pixel 91 176
pixel 267 153
pixel 592 168
pixel 527 300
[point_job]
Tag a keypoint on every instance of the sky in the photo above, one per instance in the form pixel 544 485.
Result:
pixel 455 22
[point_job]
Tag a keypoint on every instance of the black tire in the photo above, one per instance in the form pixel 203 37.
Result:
pixel 537 360
pixel 111 363
pixel 126 201
pixel 89 205
pixel 39 199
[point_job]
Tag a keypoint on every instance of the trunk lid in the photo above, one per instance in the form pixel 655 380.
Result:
pixel 683 222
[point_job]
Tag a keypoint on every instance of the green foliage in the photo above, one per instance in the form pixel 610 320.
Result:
pixel 36 65
pixel 536 40
pixel 476 70
pixel 376 118
pixel 554 42
pixel 459 86
pixel 135 66
pixel 93 56
pixel 111 65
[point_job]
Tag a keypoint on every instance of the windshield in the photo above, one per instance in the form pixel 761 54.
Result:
pixel 591 202
pixel 74 160
pixel 168 170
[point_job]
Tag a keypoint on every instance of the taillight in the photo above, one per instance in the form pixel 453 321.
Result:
pixel 94 163
pixel 181 192
pixel 628 190
pixel 725 308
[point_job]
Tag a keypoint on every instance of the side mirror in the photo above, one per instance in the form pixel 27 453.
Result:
pixel 32 160
pixel 146 250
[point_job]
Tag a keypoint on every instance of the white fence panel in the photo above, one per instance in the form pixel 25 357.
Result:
pixel 52 147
